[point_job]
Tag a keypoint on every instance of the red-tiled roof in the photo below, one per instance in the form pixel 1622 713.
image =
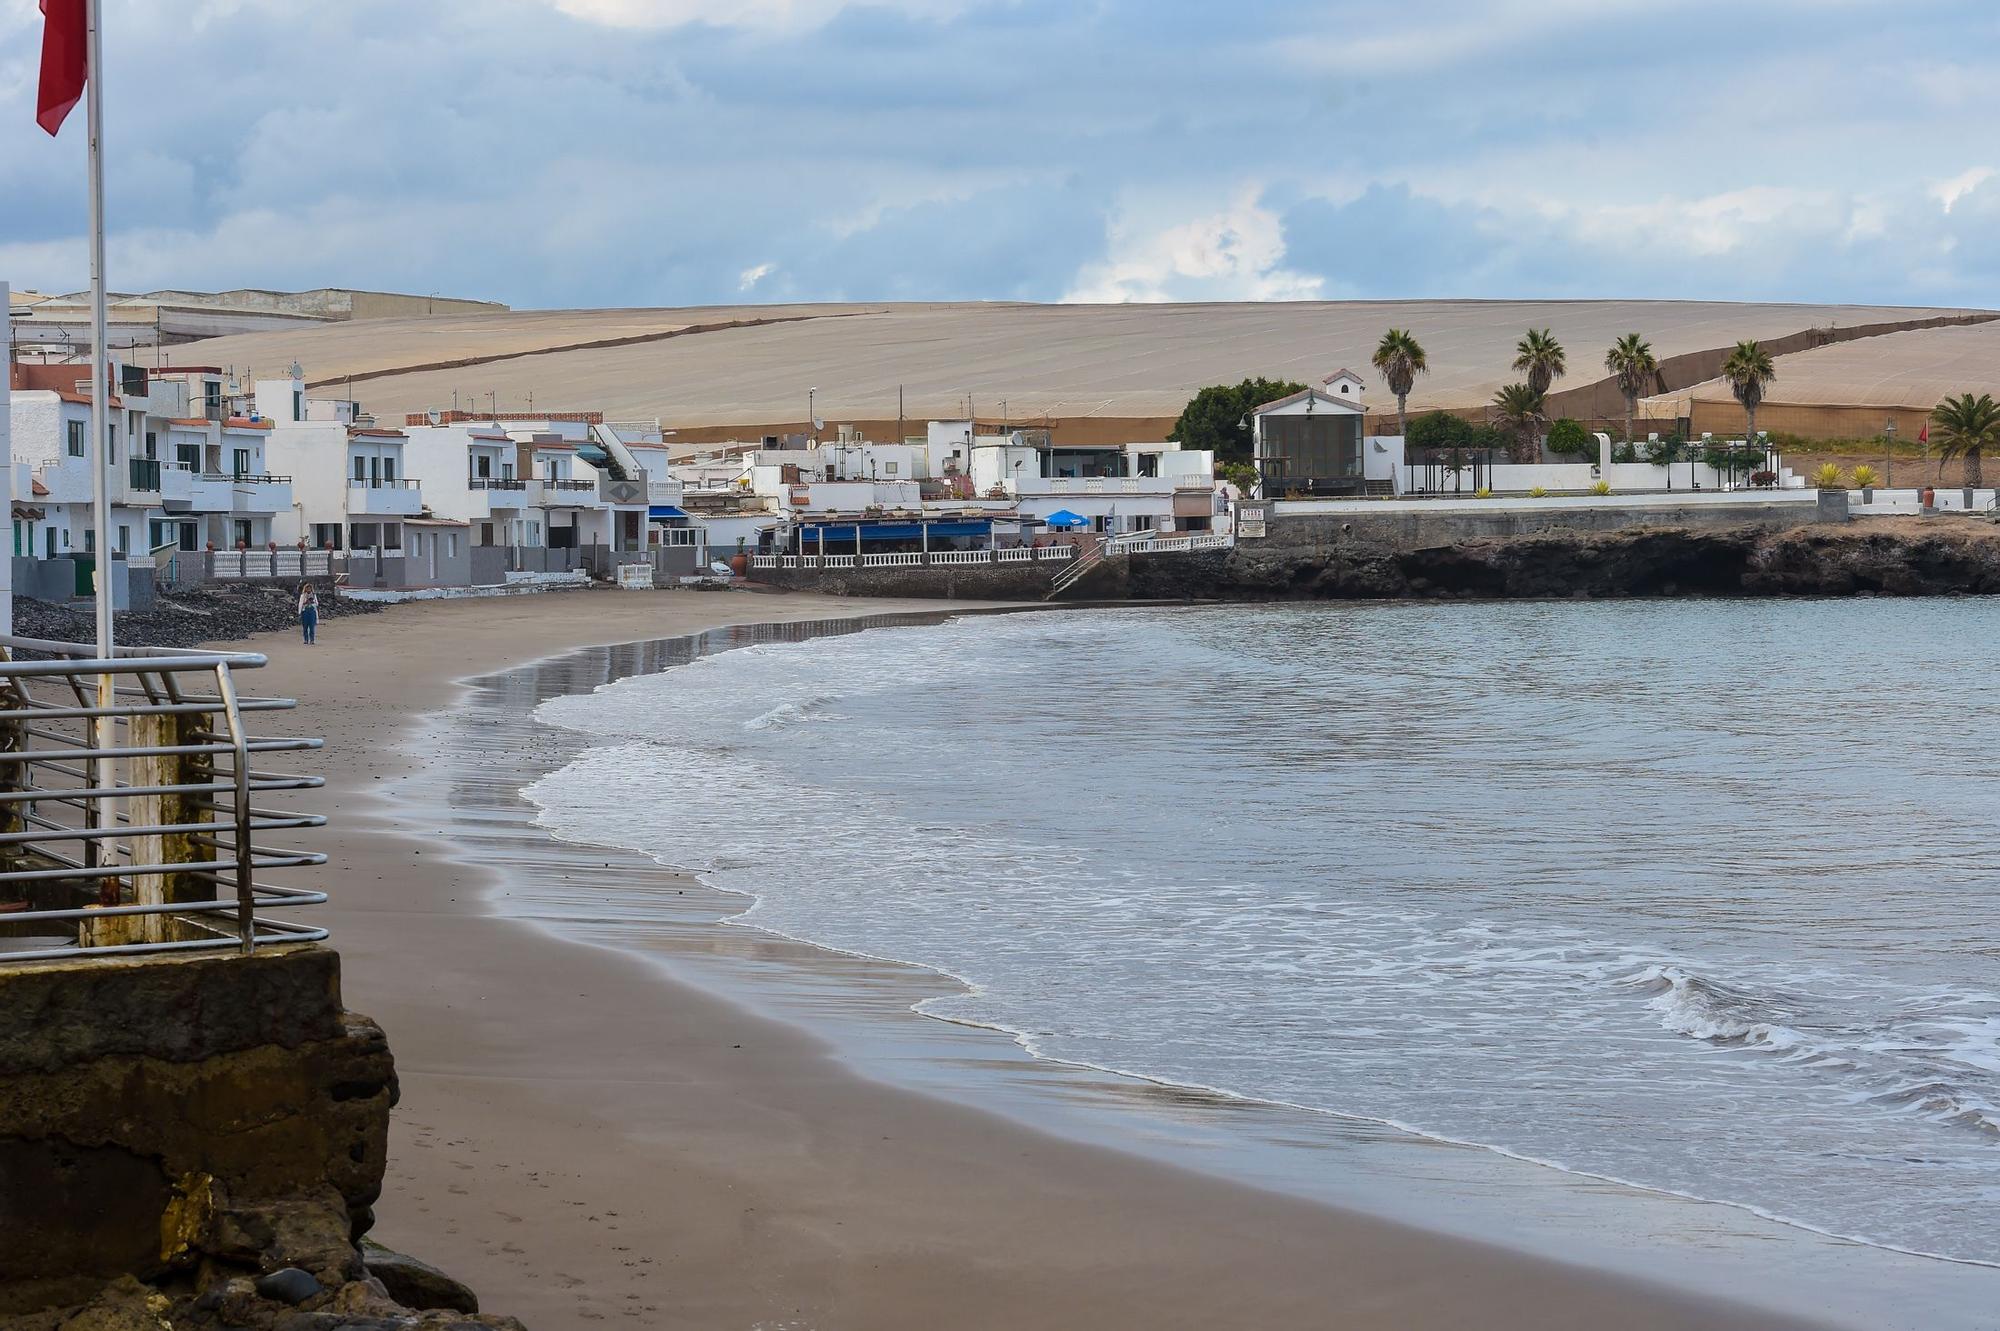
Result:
pixel 375 432
pixel 189 420
pixel 83 399
pixel 244 423
pixel 37 486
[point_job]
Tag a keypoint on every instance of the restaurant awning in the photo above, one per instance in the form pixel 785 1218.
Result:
pixel 665 513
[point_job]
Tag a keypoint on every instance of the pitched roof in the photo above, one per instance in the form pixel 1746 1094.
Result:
pixel 1344 373
pixel 1344 403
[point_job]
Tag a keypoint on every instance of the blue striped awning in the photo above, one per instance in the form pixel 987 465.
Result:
pixel 664 512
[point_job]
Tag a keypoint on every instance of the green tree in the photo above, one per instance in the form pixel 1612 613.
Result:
pixel 1749 371
pixel 1540 357
pixel 1631 363
pixel 1218 417
pixel 1400 358
pixel 1523 411
pixel 1568 438
pixel 1439 430
pixel 1966 427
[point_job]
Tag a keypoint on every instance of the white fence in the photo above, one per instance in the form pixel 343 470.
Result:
pixel 1878 502
pixel 236 564
pixel 1165 545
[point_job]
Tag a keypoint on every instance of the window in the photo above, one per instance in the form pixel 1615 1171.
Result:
pixel 326 534
pixel 888 469
pixel 482 467
pixel 388 471
pixel 506 471
pixel 451 545
pixel 124 538
pixel 111 445
pixel 49 541
pixel 240 463
pixel 298 405
pixel 74 429
pixel 17 539
pixel 152 444
pixel 360 470
pixel 189 455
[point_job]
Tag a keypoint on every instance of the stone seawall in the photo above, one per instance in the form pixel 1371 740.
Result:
pixel 1414 528
pixel 1896 556
pixel 195 1141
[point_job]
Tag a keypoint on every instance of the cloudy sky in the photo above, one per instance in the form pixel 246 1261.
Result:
pixel 665 152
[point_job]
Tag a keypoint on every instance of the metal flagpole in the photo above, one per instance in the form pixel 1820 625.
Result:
pixel 105 773
pixel 100 360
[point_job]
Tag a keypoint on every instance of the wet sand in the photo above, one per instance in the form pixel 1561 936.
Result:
pixel 584 1139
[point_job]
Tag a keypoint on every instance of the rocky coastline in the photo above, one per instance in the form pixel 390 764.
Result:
pixel 1888 557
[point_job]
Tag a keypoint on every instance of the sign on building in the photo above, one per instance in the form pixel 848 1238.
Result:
pixel 1250 520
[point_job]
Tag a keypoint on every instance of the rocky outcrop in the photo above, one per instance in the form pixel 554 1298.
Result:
pixel 1902 557
pixel 195 1141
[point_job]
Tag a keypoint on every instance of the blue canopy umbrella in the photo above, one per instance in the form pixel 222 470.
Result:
pixel 1062 517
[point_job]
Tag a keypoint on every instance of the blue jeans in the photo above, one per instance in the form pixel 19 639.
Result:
pixel 309 621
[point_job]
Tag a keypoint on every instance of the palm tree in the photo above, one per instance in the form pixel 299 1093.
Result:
pixel 1631 363
pixel 1966 427
pixel 1400 359
pixel 1521 407
pixel 1748 371
pixel 1540 357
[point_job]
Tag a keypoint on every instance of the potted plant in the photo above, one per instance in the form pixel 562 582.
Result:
pixel 1828 477
pixel 739 563
pixel 1864 481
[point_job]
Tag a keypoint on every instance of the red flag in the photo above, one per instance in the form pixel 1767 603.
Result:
pixel 1924 435
pixel 65 61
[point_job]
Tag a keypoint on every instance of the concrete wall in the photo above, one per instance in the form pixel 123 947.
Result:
pixel 1426 524
pixel 138 1141
pixel 45 579
pixel 964 582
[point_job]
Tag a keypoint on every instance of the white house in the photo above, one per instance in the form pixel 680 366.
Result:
pixel 1314 442
pixel 351 487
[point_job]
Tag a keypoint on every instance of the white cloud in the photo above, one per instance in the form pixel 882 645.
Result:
pixel 1949 192
pixel 752 276
pixel 778 16
pixel 1236 254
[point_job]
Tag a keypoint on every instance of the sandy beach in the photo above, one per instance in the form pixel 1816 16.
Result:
pixel 585 1140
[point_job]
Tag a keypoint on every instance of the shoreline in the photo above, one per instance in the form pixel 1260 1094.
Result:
pixel 470 1095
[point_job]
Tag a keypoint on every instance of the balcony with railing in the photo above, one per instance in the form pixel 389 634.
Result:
pixel 142 476
pixel 376 497
pixel 130 810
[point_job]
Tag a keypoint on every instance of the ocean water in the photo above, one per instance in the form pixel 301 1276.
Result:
pixel 1699 896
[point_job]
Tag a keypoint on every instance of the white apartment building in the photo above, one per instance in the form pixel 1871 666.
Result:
pixel 181 471
pixel 1124 487
pixel 351 487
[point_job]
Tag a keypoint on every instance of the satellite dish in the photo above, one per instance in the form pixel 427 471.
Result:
pixel 818 424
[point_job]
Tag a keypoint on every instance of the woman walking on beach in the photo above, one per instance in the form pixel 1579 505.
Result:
pixel 308 611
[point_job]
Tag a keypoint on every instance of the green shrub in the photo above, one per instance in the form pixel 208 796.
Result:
pixel 1601 488
pixel 1568 439
pixel 1537 492
pixel 1482 493
pixel 1864 476
pixel 1828 476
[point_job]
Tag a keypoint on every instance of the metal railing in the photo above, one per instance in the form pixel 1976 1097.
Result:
pixel 128 818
